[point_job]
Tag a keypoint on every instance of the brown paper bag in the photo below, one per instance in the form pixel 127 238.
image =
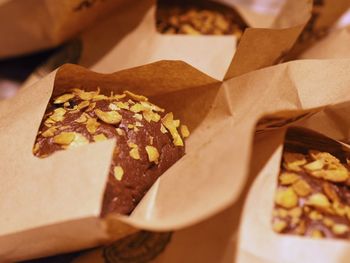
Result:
pixel 222 120
pixel 42 198
pixel 32 25
pixel 105 48
pixel 325 14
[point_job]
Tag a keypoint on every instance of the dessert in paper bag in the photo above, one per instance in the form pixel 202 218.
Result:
pixel 62 196
pixel 106 49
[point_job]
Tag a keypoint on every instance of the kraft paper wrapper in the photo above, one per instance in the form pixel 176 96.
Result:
pixel 222 119
pixel 324 15
pixel 106 48
pixel 52 205
pixel 335 45
pixel 33 25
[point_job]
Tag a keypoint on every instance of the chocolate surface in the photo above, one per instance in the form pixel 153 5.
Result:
pixel 148 140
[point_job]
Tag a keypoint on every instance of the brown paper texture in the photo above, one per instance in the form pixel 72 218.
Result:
pixel 325 14
pixel 105 48
pixel 335 45
pixel 221 116
pixel 42 24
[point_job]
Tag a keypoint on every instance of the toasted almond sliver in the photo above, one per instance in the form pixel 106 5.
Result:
pixel 153 154
pixel 286 198
pixel 64 98
pixel 100 137
pixel 287 178
pixel 135 96
pixel 170 124
pixel 184 131
pixel 118 172
pixel 340 229
pixel 318 200
pixel 279 225
pixel 64 138
pixel 92 125
pixel 78 141
pixel 110 117
pixel 134 153
pixel 49 132
pixel 316 234
pixel 302 188
pixel 314 166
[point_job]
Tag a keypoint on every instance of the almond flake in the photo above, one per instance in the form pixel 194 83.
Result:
pixel 58 114
pixel 100 137
pixel 120 131
pixel 36 148
pixel 163 129
pixel 302 188
pixel 118 172
pixel 49 132
pixel 110 117
pixel 287 178
pixel 91 106
pixel 340 229
pixel 122 105
pixel 170 124
pixel 184 131
pixel 83 118
pixel 92 125
pixel 314 166
pixel 64 138
pixel 286 198
pixel 78 141
pixel 64 98
pixel 316 234
pixel 153 154
pixel 135 96
pixel 112 106
pixel 279 225
pixel 138 116
pixel 134 153
pixel 83 104
pixel 318 200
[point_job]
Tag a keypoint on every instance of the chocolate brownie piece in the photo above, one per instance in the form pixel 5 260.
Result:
pixel 148 140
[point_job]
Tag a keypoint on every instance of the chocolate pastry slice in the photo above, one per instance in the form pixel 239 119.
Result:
pixel 148 139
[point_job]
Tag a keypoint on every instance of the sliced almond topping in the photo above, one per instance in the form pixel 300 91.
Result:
pixel 91 106
pixel 314 166
pixel 64 138
pixel 92 125
pixel 151 138
pixel 122 105
pixel 118 96
pixel 168 122
pixel 100 137
pixel 318 200
pixel 135 96
pixel 315 215
pixel 302 188
pixel 99 97
pixel 85 95
pixel 49 132
pixel 279 225
pixel 151 116
pixel 64 98
pixel 153 154
pixel 36 148
pixel 287 178
pixel 78 141
pixel 112 106
pixel 163 129
pixel 286 198
pixel 134 153
pixel 137 107
pixel 83 118
pixel 316 234
pixel 339 208
pixel 340 229
pixel 138 116
pixel 120 131
pixel 330 192
pixel 118 172
pixel 339 175
pixel 83 104
pixel 328 222
pixel 58 114
pixel 184 131
pixel 151 106
pixel 301 228
pixel 295 212
pixel 110 117
pixel 293 161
